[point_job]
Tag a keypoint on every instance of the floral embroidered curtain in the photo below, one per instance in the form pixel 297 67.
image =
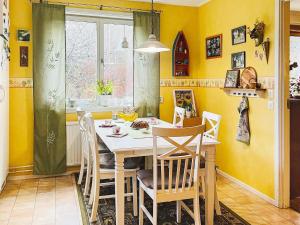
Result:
pixel 49 89
pixel 146 67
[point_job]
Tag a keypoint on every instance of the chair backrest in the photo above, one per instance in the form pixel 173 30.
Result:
pixel 84 143
pixel 212 122
pixel 91 137
pixel 178 112
pixel 182 160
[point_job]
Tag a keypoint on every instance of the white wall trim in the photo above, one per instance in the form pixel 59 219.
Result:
pixel 277 96
pixel 247 187
pixel 281 145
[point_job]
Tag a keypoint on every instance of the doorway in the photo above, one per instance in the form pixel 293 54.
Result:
pixel 294 104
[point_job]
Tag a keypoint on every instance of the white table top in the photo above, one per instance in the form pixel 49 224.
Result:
pixel 133 142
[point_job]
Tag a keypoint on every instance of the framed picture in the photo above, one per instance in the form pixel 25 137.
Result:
pixel 238 35
pixel 24 56
pixel 23 35
pixel 232 79
pixel 185 99
pixel 238 60
pixel 214 47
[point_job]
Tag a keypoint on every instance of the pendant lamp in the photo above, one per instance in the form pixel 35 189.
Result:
pixel 152 45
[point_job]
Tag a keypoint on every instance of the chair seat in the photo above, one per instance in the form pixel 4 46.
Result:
pixel 146 177
pixel 107 161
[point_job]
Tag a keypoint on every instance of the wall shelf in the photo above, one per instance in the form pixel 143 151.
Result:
pixel 180 56
pixel 240 92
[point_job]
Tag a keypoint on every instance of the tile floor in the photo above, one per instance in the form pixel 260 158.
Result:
pixel 53 201
pixel 50 201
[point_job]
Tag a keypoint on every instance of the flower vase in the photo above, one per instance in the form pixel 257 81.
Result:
pixel 104 100
pixel 188 114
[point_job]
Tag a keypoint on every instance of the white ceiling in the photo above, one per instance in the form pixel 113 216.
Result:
pixel 178 2
pixel 295 5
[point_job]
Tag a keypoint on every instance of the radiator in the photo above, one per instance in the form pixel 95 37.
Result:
pixel 73 144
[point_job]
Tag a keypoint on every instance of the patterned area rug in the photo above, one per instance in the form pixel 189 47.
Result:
pixel 166 212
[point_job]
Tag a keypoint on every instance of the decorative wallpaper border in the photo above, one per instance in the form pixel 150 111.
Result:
pixel 24 82
pixel 266 82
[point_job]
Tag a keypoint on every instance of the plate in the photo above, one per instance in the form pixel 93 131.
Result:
pixel 249 78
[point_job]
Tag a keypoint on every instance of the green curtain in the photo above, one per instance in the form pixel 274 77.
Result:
pixel 49 89
pixel 146 67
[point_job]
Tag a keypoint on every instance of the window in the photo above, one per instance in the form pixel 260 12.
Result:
pixel 94 51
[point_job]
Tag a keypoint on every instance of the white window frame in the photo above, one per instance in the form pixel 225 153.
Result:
pixel 93 16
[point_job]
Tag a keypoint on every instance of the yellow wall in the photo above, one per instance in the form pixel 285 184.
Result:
pixel 252 164
pixel 21 108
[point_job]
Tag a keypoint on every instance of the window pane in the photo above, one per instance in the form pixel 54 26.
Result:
pixel 118 62
pixel 81 60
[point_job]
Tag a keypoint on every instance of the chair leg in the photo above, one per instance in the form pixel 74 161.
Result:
pixel 95 201
pixel 81 169
pixel 94 184
pixel 128 187
pixel 203 185
pixel 217 203
pixel 197 217
pixel 141 213
pixel 87 179
pixel 134 191
pixel 178 209
pixel 154 212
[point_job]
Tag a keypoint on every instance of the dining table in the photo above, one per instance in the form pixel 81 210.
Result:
pixel 139 143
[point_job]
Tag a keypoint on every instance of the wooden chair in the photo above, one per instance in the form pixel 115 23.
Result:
pixel 212 123
pixel 85 154
pixel 99 173
pixel 178 112
pixel 176 183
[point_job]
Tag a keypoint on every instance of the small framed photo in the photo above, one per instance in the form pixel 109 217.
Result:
pixel 185 99
pixel 214 46
pixel 238 60
pixel 232 79
pixel 23 35
pixel 238 35
pixel 24 56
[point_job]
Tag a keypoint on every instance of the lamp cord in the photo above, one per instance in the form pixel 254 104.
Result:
pixel 152 18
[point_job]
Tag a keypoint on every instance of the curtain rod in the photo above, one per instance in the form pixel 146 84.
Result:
pixel 100 7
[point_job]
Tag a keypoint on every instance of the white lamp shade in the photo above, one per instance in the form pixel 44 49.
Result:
pixel 152 45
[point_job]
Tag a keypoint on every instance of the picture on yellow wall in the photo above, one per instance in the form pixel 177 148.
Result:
pixel 23 35
pixel 232 79
pixel 185 99
pixel 238 35
pixel 24 56
pixel 238 60
pixel 214 46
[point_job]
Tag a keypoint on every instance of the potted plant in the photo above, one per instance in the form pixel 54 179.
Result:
pixel 104 89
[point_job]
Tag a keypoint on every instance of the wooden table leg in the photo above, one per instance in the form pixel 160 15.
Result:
pixel 210 157
pixel 119 188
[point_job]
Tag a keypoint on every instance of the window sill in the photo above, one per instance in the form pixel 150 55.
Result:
pixel 95 109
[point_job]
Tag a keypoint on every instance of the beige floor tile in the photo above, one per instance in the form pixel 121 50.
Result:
pixel 3 222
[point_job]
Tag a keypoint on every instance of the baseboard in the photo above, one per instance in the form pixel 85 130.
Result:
pixel 248 188
pixel 3 185
pixel 28 174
